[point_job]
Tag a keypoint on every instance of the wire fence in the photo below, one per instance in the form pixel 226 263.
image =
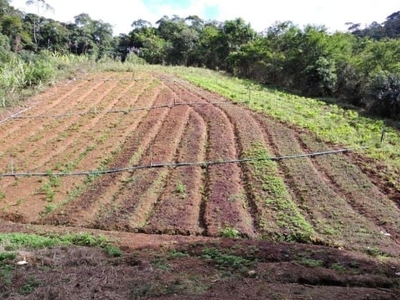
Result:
pixel 95 111
pixel 176 165
pixel 15 115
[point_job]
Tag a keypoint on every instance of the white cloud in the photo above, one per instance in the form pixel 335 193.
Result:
pixel 261 14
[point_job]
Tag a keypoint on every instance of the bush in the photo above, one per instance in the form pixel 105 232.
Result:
pixel 384 95
pixel 39 72
pixel 320 77
pixel 349 85
pixel 134 59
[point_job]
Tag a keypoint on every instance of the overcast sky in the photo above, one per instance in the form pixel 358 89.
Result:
pixel 260 14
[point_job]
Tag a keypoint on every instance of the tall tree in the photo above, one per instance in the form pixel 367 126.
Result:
pixel 182 38
pixel 392 25
pixel 40 4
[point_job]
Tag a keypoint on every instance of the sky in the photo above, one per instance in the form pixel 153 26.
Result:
pixel 260 14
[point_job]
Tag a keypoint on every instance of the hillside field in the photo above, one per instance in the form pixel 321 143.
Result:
pixel 149 154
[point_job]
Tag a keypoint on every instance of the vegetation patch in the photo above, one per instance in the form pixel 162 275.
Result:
pixel 288 217
pixel 17 241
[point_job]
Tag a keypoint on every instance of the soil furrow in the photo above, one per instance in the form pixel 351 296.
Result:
pixel 49 133
pixel 63 147
pixel 97 194
pixel 52 95
pixel 178 211
pixel 111 132
pixel 356 188
pixel 332 217
pixel 274 212
pixel 139 196
pixel 226 205
pixel 27 190
pixel 19 129
pixel 103 197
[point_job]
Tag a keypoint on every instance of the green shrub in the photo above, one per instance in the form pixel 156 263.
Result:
pixel 384 93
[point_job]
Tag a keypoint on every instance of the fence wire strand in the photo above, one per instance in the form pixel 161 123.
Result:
pixel 177 165
pixel 112 111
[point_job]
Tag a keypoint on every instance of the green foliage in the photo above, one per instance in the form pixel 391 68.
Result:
pixel 134 59
pixel 385 95
pixel 310 60
pixel 329 122
pixel 113 251
pixel 29 286
pixel 276 197
pixel 15 241
pixel 39 72
pixel 229 232
pixel 48 190
pixel 338 267
pixel 226 261
pixel 20 71
pixel 311 262
pixel 374 251
pixel 161 263
pixel 178 254
pixel 180 189
pixel 4 256
pixel 49 208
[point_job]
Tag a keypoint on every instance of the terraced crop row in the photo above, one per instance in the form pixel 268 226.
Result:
pixel 93 125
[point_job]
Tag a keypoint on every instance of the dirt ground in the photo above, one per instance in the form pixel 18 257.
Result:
pixel 182 267
pixel 340 217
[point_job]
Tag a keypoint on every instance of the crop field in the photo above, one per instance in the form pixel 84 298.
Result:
pixel 153 153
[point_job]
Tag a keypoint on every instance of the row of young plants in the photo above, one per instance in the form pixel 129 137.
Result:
pixel 104 141
pixel 24 74
pixel 265 189
pixel 329 122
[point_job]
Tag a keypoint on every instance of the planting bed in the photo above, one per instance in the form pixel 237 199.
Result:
pixel 115 120
pixel 111 121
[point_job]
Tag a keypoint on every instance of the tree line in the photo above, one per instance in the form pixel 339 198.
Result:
pixel 360 67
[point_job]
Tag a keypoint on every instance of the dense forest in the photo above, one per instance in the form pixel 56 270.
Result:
pixel 360 67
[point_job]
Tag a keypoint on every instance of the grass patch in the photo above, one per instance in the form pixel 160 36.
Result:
pixel 18 241
pixel 275 196
pixel 4 256
pixel 224 261
pixel 338 267
pixel 230 232
pixel 329 122
pixel 29 286
pixel 311 262
pixel 177 254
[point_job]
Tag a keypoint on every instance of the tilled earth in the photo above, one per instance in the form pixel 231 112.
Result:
pixel 113 121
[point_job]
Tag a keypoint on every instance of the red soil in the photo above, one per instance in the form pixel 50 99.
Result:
pixel 110 121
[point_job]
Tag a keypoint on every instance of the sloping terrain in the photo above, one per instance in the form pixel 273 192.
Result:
pixel 71 159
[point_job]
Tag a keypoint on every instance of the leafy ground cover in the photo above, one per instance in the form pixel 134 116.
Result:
pixel 330 123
